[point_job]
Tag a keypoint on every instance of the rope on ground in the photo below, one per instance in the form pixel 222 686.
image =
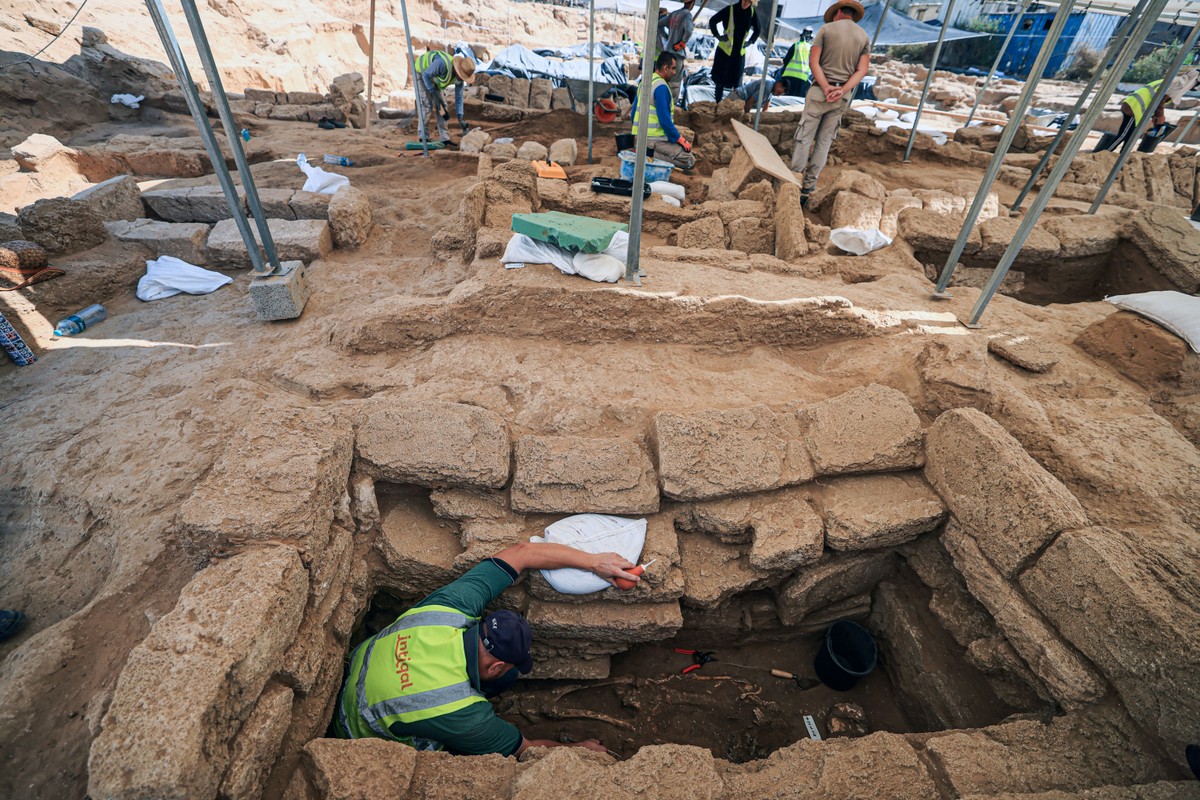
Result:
pixel 57 36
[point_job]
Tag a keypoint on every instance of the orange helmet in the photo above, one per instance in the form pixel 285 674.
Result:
pixel 606 110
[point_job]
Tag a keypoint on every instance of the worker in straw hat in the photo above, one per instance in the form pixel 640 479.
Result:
pixel 839 60
pixel 438 69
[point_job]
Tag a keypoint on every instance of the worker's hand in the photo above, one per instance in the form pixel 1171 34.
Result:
pixel 611 566
pixel 593 744
pixel 679 46
pixel 685 144
pixel 833 94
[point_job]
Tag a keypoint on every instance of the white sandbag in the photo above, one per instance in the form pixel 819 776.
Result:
pixel 859 242
pixel 671 201
pixel 592 533
pixel 318 180
pixel 521 249
pixel 600 267
pixel 167 276
pixel 668 188
pixel 127 100
pixel 1177 312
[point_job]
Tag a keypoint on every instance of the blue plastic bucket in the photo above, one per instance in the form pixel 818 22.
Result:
pixel 847 654
pixel 655 170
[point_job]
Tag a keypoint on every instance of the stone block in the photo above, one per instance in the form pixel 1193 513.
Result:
pixel 996 234
pixel 715 571
pixel 532 151
pixel 718 186
pixel 954 373
pixel 567 772
pixel 260 95
pixel 722 452
pixel 574 474
pixel 604 621
pixel 787 533
pixel 433 443
pixel 702 234
pixel 1082 235
pixel 729 519
pixel 1139 349
pixel 277 479
pixel 1002 497
pixel 561 98
pixel 191 203
pixel 256 745
pixel 889 220
pixel 276 203
pixel 564 152
pixel 742 171
pixel 1169 242
pixel 204 664
pixel 341 769
pixel 280 296
pixel 468 504
pixel 117 198
pixel 927 231
pixel 20 254
pixel 1023 350
pixel 184 240
pixel 790 244
pixel 1069 677
pixel 878 511
pixel 347 87
pixel 832 579
pixel 310 205
pixel 752 235
pixel 305 98
pixel 541 93
pixel 679 770
pixel 62 226
pixel 350 219
pixel 852 210
pixel 305 240
pixel 569 668
pixel 419 550
pixel 868 429
pixel 474 141
pixel 848 180
pixel 518 92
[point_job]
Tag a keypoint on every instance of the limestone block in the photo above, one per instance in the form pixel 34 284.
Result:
pixel 305 98
pixel 9 230
pixel 554 193
pixel 304 240
pixel 718 186
pixel 278 479
pixel 61 225
pixel 499 151
pixel 868 429
pixel 729 519
pixel 276 203
pixel 728 451
pixel 191 204
pixel 1083 235
pixel 474 141
pixel 701 234
pixel 468 504
pixel 350 219
pixel 280 296
pixel 328 575
pixel 941 202
pixel 752 235
pixel 1169 242
pixel 889 220
pixel 433 443
pixel 571 772
pixel 48 156
pixel 569 668
pixel 114 199
pixel 715 571
pixel 310 205
pixel 848 180
pixel 604 621
pixel 347 87
pixel 259 95
pixel 564 152
pixel 256 745
pixel 540 93
pixel 1002 497
pixel 787 533
pixel 830 580
pixel 996 235
pixel 518 92
pixel 790 244
pixel 418 549
pixel 185 240
pixel 679 771
pixel 574 474
pixel 359 768
pixel 561 98
pixel 741 209
pixel 878 511
pixel 204 664
pixel 532 151
pixel 930 232
pixel 290 113
pixel 954 373
pixel 20 254
pixel 852 210
pixel 1024 350
pixel 1139 349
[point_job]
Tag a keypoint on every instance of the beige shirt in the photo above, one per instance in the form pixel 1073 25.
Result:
pixel 842 43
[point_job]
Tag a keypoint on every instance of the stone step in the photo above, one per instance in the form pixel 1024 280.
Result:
pixel 304 240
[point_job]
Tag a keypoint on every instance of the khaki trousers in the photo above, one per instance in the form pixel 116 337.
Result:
pixel 672 152
pixel 816 132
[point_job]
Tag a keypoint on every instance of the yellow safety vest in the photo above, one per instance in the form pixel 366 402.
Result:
pixel 653 128
pixel 427 58
pixel 415 669
pixel 1139 101
pixel 798 67
pixel 726 42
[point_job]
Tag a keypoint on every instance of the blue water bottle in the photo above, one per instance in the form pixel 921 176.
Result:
pixel 245 134
pixel 80 321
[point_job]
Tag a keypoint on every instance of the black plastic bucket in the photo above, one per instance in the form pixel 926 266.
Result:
pixel 1151 139
pixel 1106 140
pixel 847 655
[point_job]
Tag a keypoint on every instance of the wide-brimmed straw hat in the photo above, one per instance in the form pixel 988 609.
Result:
pixel 855 9
pixel 464 68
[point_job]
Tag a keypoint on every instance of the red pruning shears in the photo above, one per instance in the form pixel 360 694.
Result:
pixel 699 658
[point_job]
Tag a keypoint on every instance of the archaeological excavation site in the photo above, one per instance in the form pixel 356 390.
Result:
pixel 910 460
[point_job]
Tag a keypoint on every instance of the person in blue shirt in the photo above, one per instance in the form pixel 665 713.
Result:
pixel 668 143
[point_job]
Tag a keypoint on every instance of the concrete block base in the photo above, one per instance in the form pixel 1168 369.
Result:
pixel 281 296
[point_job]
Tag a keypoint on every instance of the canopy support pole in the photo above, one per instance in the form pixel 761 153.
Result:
pixel 1127 150
pixel 645 97
pixel 416 81
pixel 1138 35
pixel 996 64
pixel 1114 50
pixel 762 85
pixel 937 52
pixel 1006 140
pixel 370 68
pixel 879 28
pixel 591 112
pixel 1186 129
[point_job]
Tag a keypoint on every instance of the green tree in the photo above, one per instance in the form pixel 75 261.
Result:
pixel 1153 65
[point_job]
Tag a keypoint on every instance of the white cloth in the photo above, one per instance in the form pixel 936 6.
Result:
pixel 318 180
pixel 857 241
pixel 167 276
pixel 606 267
pixel 1177 312
pixel 128 100
pixel 592 533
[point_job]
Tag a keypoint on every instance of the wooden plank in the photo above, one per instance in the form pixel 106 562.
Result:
pixel 953 115
pixel 762 153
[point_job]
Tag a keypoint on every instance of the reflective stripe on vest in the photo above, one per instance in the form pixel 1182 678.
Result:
pixel 726 42
pixel 1139 101
pixel 653 129
pixel 427 58
pixel 798 67
pixel 413 670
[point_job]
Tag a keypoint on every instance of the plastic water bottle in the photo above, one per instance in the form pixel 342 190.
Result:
pixel 341 161
pixel 80 321
pixel 245 135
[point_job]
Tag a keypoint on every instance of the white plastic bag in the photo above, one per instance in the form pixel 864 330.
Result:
pixel 1177 312
pixel 599 267
pixel 592 533
pixel 671 201
pixel 168 276
pixel 669 189
pixel 858 242
pixel 523 250
pixel 319 180
pixel 128 100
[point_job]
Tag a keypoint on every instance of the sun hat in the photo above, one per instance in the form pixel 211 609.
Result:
pixel 855 9
pixel 464 68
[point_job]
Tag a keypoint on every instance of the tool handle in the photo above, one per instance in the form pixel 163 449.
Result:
pixel 778 673
pixel 692 668
pixel 625 584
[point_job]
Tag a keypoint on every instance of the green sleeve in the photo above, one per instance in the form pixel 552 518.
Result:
pixel 472 593
pixel 471 731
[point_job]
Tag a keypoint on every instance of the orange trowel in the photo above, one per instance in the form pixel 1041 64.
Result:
pixel 550 170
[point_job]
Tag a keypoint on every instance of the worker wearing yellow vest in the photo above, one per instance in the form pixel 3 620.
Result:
pixel 735 27
pixel 425 679
pixel 438 70
pixel 796 69
pixel 1135 106
pixel 668 143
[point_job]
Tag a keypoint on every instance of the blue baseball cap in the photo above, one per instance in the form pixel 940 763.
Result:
pixel 506 635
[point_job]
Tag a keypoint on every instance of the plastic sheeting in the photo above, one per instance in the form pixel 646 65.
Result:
pixel 898 28
pixel 521 62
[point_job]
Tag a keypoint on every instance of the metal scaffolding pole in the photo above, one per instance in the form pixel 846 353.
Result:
pixel 231 134
pixel 937 52
pixel 167 34
pixel 1137 36
pixel 645 99
pixel 996 64
pixel 1186 129
pixel 1006 140
pixel 879 27
pixel 1127 150
pixel 762 85
pixel 1195 217
pixel 591 107
pixel 370 68
pixel 1114 49
pixel 416 79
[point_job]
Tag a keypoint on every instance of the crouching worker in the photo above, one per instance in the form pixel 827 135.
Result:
pixel 775 88
pixel 424 680
pixel 668 143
